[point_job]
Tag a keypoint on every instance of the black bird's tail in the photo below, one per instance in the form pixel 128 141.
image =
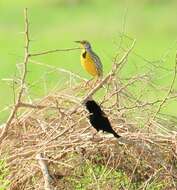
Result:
pixel 115 134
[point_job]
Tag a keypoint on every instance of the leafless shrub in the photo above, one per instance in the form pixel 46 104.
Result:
pixel 57 127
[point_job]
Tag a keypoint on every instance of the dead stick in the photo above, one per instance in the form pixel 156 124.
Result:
pixel 51 51
pixel 23 78
pixel 47 178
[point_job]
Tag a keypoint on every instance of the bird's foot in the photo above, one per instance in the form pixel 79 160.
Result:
pixel 91 83
pixel 94 134
pixel 96 138
pixel 97 81
pixel 88 84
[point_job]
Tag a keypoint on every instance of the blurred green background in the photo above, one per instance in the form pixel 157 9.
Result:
pixel 57 23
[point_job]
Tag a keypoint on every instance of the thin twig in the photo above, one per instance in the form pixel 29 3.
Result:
pixel 58 69
pixel 36 106
pixel 51 51
pixel 169 90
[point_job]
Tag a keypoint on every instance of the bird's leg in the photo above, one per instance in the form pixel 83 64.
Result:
pixel 96 81
pixel 94 134
pixel 88 83
pixel 92 82
pixel 85 83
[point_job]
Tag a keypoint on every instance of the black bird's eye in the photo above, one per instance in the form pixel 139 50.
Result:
pixel 93 107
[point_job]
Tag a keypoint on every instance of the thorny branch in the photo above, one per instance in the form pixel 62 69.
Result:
pixel 27 55
pixel 43 130
pixel 20 94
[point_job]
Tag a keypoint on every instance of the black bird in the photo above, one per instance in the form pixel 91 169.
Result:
pixel 98 118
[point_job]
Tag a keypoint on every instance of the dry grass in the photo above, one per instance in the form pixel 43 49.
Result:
pixel 56 128
pixel 142 153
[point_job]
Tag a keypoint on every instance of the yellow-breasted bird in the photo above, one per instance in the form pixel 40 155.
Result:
pixel 89 60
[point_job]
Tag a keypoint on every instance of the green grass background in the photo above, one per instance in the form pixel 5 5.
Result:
pixel 57 23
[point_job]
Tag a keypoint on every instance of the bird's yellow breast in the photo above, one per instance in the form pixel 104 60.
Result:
pixel 88 63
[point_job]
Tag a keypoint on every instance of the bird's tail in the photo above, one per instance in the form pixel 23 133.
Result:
pixel 116 135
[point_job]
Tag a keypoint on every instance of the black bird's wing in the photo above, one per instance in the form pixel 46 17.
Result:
pixel 94 121
pixel 106 126
pixel 98 118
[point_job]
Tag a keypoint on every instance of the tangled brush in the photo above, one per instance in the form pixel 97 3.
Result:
pixel 51 137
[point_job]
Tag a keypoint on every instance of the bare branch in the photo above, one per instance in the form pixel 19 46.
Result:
pixel 58 69
pixel 19 97
pixel 36 106
pixel 44 168
pixel 51 51
pixel 46 125
pixel 169 90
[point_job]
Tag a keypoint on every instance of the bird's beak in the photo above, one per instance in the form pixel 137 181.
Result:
pixel 77 41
